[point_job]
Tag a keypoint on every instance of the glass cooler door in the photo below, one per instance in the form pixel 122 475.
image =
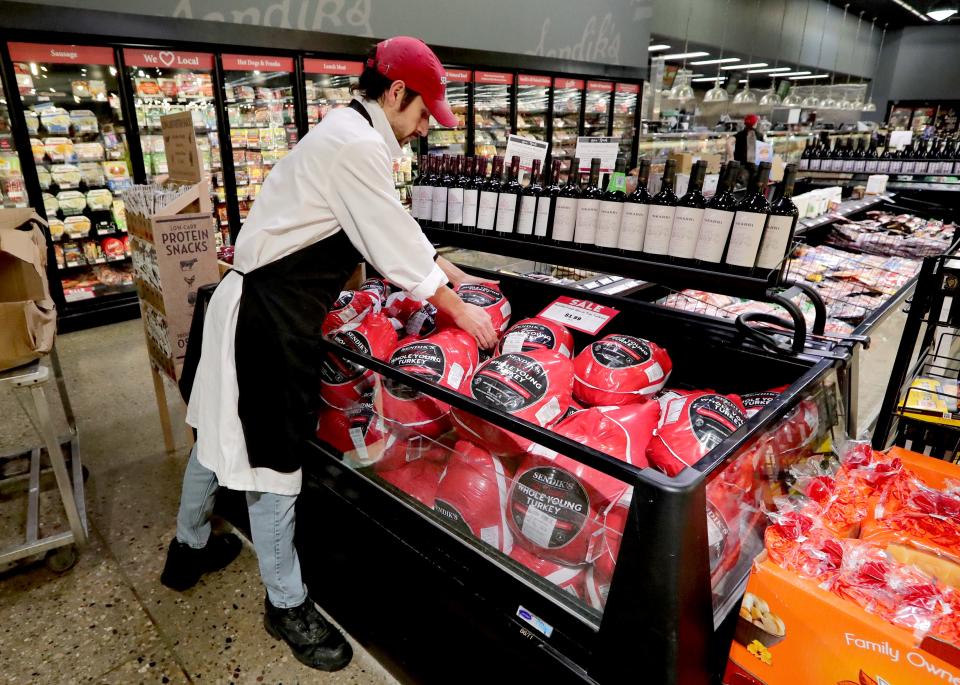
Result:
pixel 597 115
pixel 625 116
pixel 328 85
pixel 71 102
pixel 567 103
pixel 533 97
pixel 452 141
pixel 166 82
pixel 258 93
pixel 491 112
pixel 13 191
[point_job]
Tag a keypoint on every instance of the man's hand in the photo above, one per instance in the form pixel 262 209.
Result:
pixel 457 275
pixel 476 322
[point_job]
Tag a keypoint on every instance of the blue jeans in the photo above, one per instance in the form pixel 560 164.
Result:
pixel 271 523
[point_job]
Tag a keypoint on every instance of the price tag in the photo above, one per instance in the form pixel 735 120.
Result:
pixel 582 315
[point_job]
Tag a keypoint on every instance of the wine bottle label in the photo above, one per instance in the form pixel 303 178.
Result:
pixel 455 206
pixel 860 166
pixel 907 167
pixel 847 165
pixel 415 202
pixel 659 226
pixel 686 230
pixel 587 214
pixel 815 164
pixel 565 219
pixel 506 212
pixel 921 167
pixel 426 203
pixel 804 163
pixel 486 210
pixel 439 211
pixel 608 224
pixel 714 231
pixel 883 166
pixel 745 238
pixel 633 227
pixel 775 241
pixel 470 198
pixel 871 166
pixel 543 215
pixel 836 164
pixel 956 168
pixel 528 213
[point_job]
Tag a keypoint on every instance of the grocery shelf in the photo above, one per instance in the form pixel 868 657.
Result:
pixel 844 210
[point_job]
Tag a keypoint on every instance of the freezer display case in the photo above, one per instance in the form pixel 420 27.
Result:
pixel 71 102
pixel 492 93
pixel 13 191
pixel 625 116
pixel 533 101
pixel 328 85
pixel 567 111
pixel 596 117
pixel 453 141
pixel 261 119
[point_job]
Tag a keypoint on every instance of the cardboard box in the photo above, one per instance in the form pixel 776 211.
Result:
pixel 685 161
pixel 830 640
pixel 28 317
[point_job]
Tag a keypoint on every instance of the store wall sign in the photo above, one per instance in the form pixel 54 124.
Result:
pixel 60 54
pixel 458 76
pixel 559 83
pixel 493 77
pixel 603 86
pixel 257 63
pixel 530 80
pixel 168 59
pixel 582 315
pixel 628 88
pixel 326 66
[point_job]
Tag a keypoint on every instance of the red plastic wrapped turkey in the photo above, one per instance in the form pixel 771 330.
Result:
pixel 417 318
pixel 534 386
pixel 600 573
pixel 754 402
pixel 349 307
pixel 567 578
pixel 418 479
pixel 488 297
pixel 377 286
pixel 537 334
pixel 355 428
pixel 620 369
pixel 399 451
pixel 343 383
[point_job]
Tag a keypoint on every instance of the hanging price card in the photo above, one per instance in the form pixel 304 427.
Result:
pixel 582 315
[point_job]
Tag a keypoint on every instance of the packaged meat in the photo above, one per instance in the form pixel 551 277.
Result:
pixel 98 88
pixel 396 451
pixel 355 428
pixel 344 383
pixel 58 255
pixel 65 175
pixel 168 87
pixel 488 297
pixel 72 202
pixel 620 369
pixel 80 89
pixel 84 121
pixel 570 579
pixel 59 149
pixel 537 334
pixel 350 306
pixel 147 87
pixel 419 479
pixel 754 402
pixel 188 85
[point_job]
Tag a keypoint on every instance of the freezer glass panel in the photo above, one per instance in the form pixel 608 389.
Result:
pixel 166 82
pixel 533 98
pixel 13 191
pixel 491 112
pixel 258 94
pixel 567 102
pixel 597 113
pixel 625 116
pixel 329 85
pixel 452 141
pixel 70 96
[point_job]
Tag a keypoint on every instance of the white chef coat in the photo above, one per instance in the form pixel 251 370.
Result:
pixel 337 178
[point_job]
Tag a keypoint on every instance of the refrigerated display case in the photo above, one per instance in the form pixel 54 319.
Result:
pixel 166 82
pixel 261 119
pixel 328 84
pixel 71 102
pixel 453 141
pixel 596 116
pixel 625 117
pixel 567 113
pixel 533 102
pixel 492 93
pixel 13 190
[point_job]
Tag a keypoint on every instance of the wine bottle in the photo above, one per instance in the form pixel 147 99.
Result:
pixel 663 208
pixel 471 193
pixel 689 216
pixel 588 208
pixel 849 161
pixel 909 164
pixel 883 164
pixel 509 198
pixel 748 224
pixel 816 157
pixel 611 208
pixel 897 158
pixel 416 188
pixel 489 193
pixel 528 202
pixel 778 235
pixel 633 225
pixel 565 214
pixel 871 162
pixel 923 158
pixel 805 156
pixel 455 195
pixel 440 193
pixel 718 219
pixel 860 158
pixel 547 203
pixel 426 198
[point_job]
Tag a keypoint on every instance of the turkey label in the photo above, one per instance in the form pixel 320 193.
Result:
pixel 713 418
pixel 510 382
pixel 549 506
pixel 717 532
pixel 480 295
pixel 451 516
pixel 620 351
pixel 422 359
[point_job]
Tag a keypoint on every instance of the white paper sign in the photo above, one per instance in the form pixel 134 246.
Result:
pixel 793 115
pixel 605 149
pixel 900 139
pixel 582 315
pixel 527 149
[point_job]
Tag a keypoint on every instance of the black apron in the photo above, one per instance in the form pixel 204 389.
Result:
pixel 282 307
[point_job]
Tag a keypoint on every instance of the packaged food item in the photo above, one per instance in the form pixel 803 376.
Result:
pixel 50 204
pixel 77 226
pixel 343 383
pixel 119 214
pixel 89 152
pixel 99 200
pixel 112 248
pixel 44 177
pixel 419 479
pixel 33 122
pixel 65 175
pixel 24 79
pixel 80 89
pixel 97 88
pixel 244 93
pixel 36 146
pixel 59 149
pixel 56 228
pixel 84 121
pixel 147 87
pixel 188 85
pixel 91 173
pixel 168 87
pixel 71 202
pixel 56 120
pixel 58 255
pixel 115 169
pixel 72 255
pixel 620 369
pixel 158 163
pixel 488 297
pixel 206 85
pixel 352 305
pixel 379 287
pixel 91 251
pixel 15 189
pixel 537 334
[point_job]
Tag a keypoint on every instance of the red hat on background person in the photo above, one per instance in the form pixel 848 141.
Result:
pixel 750 120
pixel 407 59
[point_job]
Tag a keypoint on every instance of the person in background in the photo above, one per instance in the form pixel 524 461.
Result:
pixel 745 145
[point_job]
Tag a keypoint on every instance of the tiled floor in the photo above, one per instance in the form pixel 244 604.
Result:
pixel 108 620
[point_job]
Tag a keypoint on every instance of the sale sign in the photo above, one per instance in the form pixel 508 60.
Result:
pixel 582 315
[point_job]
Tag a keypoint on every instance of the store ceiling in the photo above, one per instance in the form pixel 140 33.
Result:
pixel 895 14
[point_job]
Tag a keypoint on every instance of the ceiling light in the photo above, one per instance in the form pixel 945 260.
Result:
pixel 745 97
pixel 746 66
pixel 796 73
pixel 770 99
pixel 768 70
pixel 812 76
pixel 744 80
pixel 911 9
pixel 940 15
pixel 683 55
pixel 869 106
pixel 792 100
pixel 722 60
pixel 716 94
pixel 710 78
pixel 810 102
pixel 657 47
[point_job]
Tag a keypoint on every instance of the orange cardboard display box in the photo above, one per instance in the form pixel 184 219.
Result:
pixel 792 632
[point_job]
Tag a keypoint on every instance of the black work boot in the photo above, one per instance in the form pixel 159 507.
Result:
pixel 186 564
pixel 312 639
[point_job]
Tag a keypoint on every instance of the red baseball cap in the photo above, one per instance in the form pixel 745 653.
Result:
pixel 407 59
pixel 751 120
